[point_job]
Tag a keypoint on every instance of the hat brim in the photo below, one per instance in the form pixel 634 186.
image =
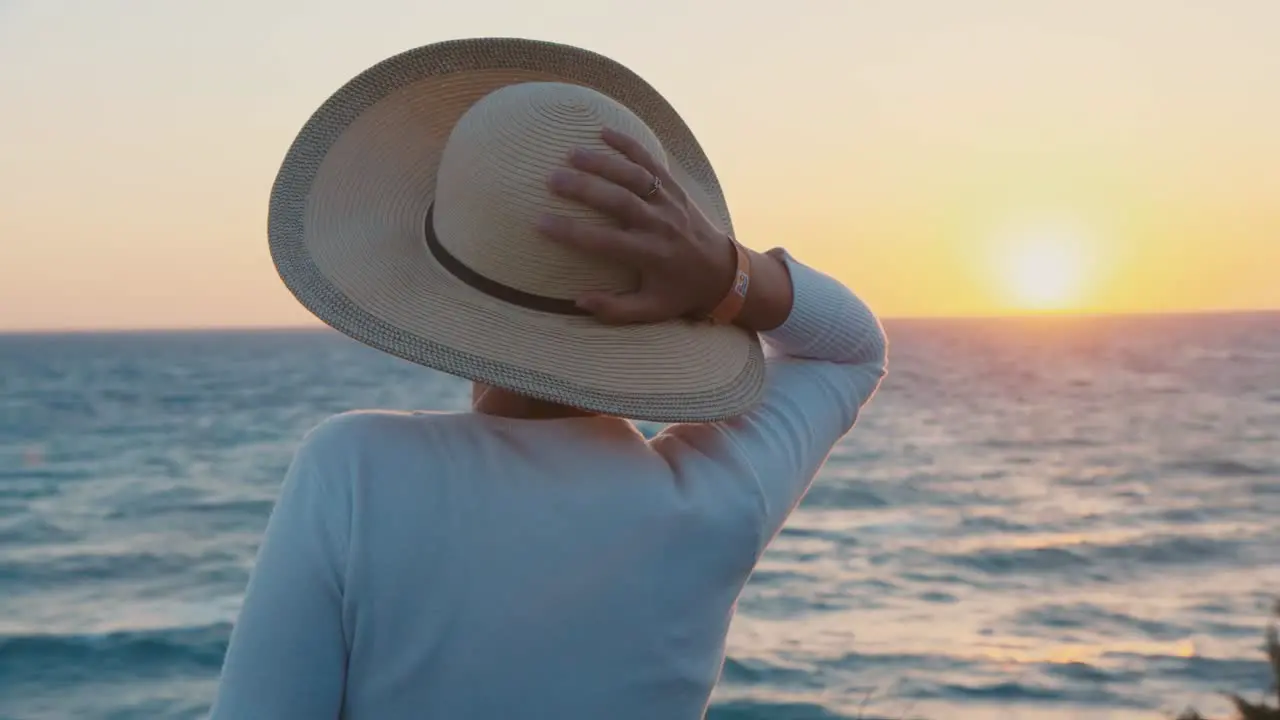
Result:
pixel 346 232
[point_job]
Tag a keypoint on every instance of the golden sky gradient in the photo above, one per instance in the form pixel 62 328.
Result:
pixel 943 158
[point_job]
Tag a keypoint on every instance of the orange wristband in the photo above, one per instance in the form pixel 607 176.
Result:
pixel 727 311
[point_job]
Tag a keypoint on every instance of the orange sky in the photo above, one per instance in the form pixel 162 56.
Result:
pixel 943 158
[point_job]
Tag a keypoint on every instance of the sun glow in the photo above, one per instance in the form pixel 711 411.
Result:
pixel 1043 271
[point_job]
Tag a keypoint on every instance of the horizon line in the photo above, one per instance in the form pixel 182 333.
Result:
pixel 321 327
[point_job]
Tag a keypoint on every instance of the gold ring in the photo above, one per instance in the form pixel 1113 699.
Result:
pixel 654 187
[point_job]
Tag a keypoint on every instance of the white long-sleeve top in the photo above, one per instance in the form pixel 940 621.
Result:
pixel 460 565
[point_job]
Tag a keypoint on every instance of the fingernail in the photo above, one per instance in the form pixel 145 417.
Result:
pixel 546 222
pixel 578 153
pixel 560 178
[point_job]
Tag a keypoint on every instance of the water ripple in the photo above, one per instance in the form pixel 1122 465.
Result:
pixel 1057 519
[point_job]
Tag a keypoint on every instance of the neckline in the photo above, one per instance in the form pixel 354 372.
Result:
pixel 613 423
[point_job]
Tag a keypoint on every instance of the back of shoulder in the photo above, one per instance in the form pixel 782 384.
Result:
pixel 374 433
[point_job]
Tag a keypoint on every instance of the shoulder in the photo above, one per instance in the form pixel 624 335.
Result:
pixel 361 425
pixel 371 433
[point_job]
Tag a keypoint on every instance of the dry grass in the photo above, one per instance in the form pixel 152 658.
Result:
pixel 1263 710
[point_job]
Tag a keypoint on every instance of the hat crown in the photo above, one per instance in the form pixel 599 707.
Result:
pixel 491 186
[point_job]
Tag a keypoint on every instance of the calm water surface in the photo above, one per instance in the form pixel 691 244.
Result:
pixel 1039 519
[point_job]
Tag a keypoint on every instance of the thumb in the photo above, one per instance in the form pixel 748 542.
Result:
pixel 623 308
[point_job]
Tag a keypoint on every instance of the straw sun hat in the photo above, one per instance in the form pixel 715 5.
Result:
pixel 403 216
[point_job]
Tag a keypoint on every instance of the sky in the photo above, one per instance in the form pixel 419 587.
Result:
pixel 942 158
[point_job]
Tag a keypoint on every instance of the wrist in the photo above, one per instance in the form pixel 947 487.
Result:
pixel 722 262
pixel 769 299
pixel 729 301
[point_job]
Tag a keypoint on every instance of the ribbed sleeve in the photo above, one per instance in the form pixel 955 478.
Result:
pixel 827 322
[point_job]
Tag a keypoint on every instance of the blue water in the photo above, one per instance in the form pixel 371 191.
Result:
pixel 1035 519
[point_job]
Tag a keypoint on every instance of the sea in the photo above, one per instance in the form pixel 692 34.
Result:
pixel 1041 518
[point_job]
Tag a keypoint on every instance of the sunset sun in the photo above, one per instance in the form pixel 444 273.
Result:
pixel 1043 271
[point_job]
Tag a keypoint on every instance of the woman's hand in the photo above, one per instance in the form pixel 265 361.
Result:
pixel 685 264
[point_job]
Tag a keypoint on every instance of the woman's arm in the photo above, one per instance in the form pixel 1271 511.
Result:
pixel 770 295
pixel 831 347
pixel 827 360
pixel 287 658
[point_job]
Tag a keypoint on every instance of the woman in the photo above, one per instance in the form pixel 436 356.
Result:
pixel 461 206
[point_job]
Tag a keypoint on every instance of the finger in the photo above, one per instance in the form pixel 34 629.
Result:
pixel 637 153
pixel 625 246
pixel 624 308
pixel 600 194
pixel 617 169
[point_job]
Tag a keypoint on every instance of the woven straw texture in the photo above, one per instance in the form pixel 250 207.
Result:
pixel 487 120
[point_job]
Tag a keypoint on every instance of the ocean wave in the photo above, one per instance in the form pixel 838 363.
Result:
pixel 754 671
pixel 846 496
pixel 37 473
pixel 1015 692
pixel 24 486
pixel 760 710
pixel 1100 559
pixel 974 541
pixel 1084 672
pixel 27 529
pixel 1030 560
pixel 1099 619
pixel 48 569
pixel 773 577
pixel 994 523
pixel 1110 679
pixel 833 536
pixel 862 662
pixel 1226 673
pixel 190 502
pixel 1224 468
pixel 45 659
